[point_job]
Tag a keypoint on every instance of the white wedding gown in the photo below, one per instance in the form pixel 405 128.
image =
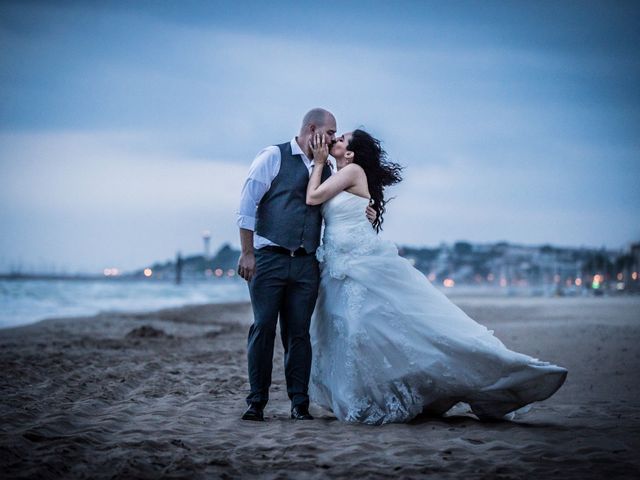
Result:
pixel 387 344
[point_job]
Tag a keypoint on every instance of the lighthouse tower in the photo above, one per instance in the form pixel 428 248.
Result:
pixel 206 238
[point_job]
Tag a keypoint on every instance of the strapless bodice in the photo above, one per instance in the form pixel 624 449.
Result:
pixel 345 210
pixel 348 234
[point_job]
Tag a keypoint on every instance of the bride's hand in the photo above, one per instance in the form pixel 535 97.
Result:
pixel 319 148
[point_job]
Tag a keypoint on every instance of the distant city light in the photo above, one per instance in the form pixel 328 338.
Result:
pixel 432 277
pixel 634 275
pixel 578 282
pixel 231 272
pixel 448 282
pixel 111 272
pixel 490 277
pixel 218 272
pixel 597 280
pixel 503 282
pixel 620 286
pixel 619 276
pixel 147 272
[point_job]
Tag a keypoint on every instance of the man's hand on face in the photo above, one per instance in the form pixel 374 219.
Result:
pixel 247 266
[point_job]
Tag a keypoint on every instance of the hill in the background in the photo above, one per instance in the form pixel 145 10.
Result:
pixel 462 263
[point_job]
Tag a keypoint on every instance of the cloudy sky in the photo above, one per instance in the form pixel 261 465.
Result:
pixel 126 129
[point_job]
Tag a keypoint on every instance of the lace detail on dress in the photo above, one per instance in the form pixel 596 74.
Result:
pixel 339 248
pixel 399 403
pixel 355 293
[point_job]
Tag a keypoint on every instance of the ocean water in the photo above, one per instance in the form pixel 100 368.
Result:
pixel 27 301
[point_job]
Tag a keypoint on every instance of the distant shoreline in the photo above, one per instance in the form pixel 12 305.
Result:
pixel 38 276
pixel 117 278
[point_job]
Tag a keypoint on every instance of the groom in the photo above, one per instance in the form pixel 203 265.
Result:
pixel 279 234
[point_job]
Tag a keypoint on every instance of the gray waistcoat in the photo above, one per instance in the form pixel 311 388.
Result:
pixel 283 215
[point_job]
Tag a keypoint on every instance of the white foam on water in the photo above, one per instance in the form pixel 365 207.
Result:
pixel 27 301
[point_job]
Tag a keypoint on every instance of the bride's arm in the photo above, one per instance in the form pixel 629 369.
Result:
pixel 318 192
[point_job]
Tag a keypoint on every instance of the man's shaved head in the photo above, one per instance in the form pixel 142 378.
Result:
pixel 318 117
pixel 316 121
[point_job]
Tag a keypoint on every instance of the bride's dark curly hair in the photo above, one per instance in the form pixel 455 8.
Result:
pixel 379 170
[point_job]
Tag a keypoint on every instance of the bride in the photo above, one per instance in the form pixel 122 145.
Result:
pixel 387 344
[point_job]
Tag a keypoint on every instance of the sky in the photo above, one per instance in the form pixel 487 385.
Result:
pixel 127 128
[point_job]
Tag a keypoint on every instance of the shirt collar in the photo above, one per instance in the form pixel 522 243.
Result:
pixel 296 150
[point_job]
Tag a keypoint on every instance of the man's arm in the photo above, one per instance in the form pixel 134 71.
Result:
pixel 247 261
pixel 252 193
pixel 371 214
pixel 263 170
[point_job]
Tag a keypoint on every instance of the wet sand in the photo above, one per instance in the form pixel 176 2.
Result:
pixel 159 395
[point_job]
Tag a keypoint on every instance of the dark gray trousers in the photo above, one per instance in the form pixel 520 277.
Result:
pixel 287 287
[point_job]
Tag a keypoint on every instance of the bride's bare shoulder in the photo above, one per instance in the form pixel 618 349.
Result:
pixel 358 178
pixel 354 169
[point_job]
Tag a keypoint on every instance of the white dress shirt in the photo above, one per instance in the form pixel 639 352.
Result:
pixel 263 170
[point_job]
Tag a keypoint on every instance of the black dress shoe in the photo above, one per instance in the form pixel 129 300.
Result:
pixel 254 412
pixel 301 412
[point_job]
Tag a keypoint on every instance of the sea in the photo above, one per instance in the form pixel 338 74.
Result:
pixel 25 301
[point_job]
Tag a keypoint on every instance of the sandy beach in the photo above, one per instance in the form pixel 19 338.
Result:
pixel 159 395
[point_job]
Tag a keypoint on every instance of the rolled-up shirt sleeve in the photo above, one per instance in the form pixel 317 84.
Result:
pixel 263 170
pixel 252 193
